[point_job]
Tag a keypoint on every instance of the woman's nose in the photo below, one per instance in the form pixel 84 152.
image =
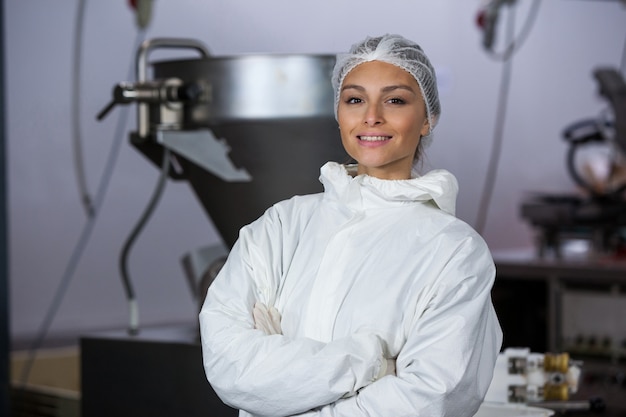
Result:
pixel 373 115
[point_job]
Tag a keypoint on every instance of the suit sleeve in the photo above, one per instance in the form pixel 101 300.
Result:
pixel 273 375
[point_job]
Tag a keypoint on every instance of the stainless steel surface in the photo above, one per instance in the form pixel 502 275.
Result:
pixel 255 87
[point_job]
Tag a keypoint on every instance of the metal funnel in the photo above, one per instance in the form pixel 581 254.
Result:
pixel 247 131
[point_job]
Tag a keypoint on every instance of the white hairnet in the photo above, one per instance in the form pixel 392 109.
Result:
pixel 399 51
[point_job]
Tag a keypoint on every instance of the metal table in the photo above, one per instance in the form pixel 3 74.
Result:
pixel 523 268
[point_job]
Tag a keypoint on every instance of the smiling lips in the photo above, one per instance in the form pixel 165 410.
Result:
pixel 373 138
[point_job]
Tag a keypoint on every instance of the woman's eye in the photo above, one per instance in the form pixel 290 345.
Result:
pixel 353 100
pixel 396 101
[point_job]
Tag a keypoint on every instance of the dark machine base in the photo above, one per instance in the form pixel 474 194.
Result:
pixel 156 373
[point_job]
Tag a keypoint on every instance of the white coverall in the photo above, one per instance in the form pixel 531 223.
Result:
pixel 370 269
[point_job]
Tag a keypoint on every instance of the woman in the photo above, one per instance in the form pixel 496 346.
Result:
pixel 370 299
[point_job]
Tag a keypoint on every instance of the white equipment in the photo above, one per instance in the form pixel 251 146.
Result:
pixel 522 377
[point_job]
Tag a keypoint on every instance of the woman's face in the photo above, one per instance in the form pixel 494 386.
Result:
pixel 382 116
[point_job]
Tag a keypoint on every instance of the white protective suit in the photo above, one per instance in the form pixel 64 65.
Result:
pixel 370 269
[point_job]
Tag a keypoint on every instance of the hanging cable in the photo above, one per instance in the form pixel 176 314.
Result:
pixel 79 166
pixel 85 234
pixel 515 43
pixel 133 327
pixel 496 148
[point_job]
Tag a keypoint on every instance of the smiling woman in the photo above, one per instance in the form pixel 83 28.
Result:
pixel 406 84
pixel 382 118
pixel 371 298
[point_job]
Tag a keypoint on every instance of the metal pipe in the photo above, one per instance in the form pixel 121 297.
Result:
pixel 142 69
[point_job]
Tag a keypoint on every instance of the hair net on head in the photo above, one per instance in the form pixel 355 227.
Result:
pixel 399 51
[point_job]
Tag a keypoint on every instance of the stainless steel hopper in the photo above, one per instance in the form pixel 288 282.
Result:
pixel 244 131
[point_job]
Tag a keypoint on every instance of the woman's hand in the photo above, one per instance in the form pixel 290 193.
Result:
pixel 389 368
pixel 266 319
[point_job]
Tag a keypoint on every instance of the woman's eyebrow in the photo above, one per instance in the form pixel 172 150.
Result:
pixel 384 89
pixel 397 87
pixel 354 86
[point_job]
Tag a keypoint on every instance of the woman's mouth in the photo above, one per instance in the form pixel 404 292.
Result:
pixel 373 138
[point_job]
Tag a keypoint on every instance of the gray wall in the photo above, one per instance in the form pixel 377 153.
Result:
pixel 551 87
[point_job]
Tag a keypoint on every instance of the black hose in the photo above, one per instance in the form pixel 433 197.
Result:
pixel 133 327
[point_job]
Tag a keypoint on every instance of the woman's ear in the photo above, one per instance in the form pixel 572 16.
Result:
pixel 425 128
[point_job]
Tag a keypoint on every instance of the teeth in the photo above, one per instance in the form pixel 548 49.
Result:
pixel 373 138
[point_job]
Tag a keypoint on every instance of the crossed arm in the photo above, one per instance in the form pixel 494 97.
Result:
pixel 444 368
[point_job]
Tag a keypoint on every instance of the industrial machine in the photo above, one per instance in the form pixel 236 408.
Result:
pixel 244 131
pixel 596 161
